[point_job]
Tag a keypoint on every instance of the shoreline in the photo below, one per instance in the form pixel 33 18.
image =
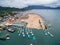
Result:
pixel 32 20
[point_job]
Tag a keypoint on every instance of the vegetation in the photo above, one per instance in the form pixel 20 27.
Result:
pixel 5 11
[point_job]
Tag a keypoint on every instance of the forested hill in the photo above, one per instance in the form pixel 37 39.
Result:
pixel 12 9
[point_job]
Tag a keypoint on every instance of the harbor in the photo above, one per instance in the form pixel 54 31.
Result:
pixel 33 36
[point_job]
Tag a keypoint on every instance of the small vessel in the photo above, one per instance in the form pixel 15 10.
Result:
pixel 22 32
pixel 46 34
pixel 50 34
pixel 19 34
pixel 34 38
pixel 32 34
pixel 23 35
pixel 27 33
pixel 8 38
pixel 31 44
pixel 28 36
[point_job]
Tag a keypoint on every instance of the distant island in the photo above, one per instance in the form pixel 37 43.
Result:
pixel 41 7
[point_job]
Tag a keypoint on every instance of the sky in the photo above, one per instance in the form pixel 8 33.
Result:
pixel 26 3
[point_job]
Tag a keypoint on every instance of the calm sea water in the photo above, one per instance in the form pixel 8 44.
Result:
pixel 51 16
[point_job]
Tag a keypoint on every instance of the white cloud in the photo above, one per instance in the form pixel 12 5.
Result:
pixel 39 2
pixel 25 3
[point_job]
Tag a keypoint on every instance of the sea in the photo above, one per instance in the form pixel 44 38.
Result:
pixel 52 18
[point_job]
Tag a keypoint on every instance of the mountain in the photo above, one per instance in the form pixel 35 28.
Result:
pixel 12 9
pixel 41 7
pixel 27 8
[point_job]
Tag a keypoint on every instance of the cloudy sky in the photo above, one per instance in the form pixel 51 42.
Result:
pixel 26 3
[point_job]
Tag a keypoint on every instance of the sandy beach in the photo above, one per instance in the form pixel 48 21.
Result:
pixel 34 21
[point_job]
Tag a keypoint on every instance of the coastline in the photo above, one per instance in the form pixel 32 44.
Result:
pixel 32 20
